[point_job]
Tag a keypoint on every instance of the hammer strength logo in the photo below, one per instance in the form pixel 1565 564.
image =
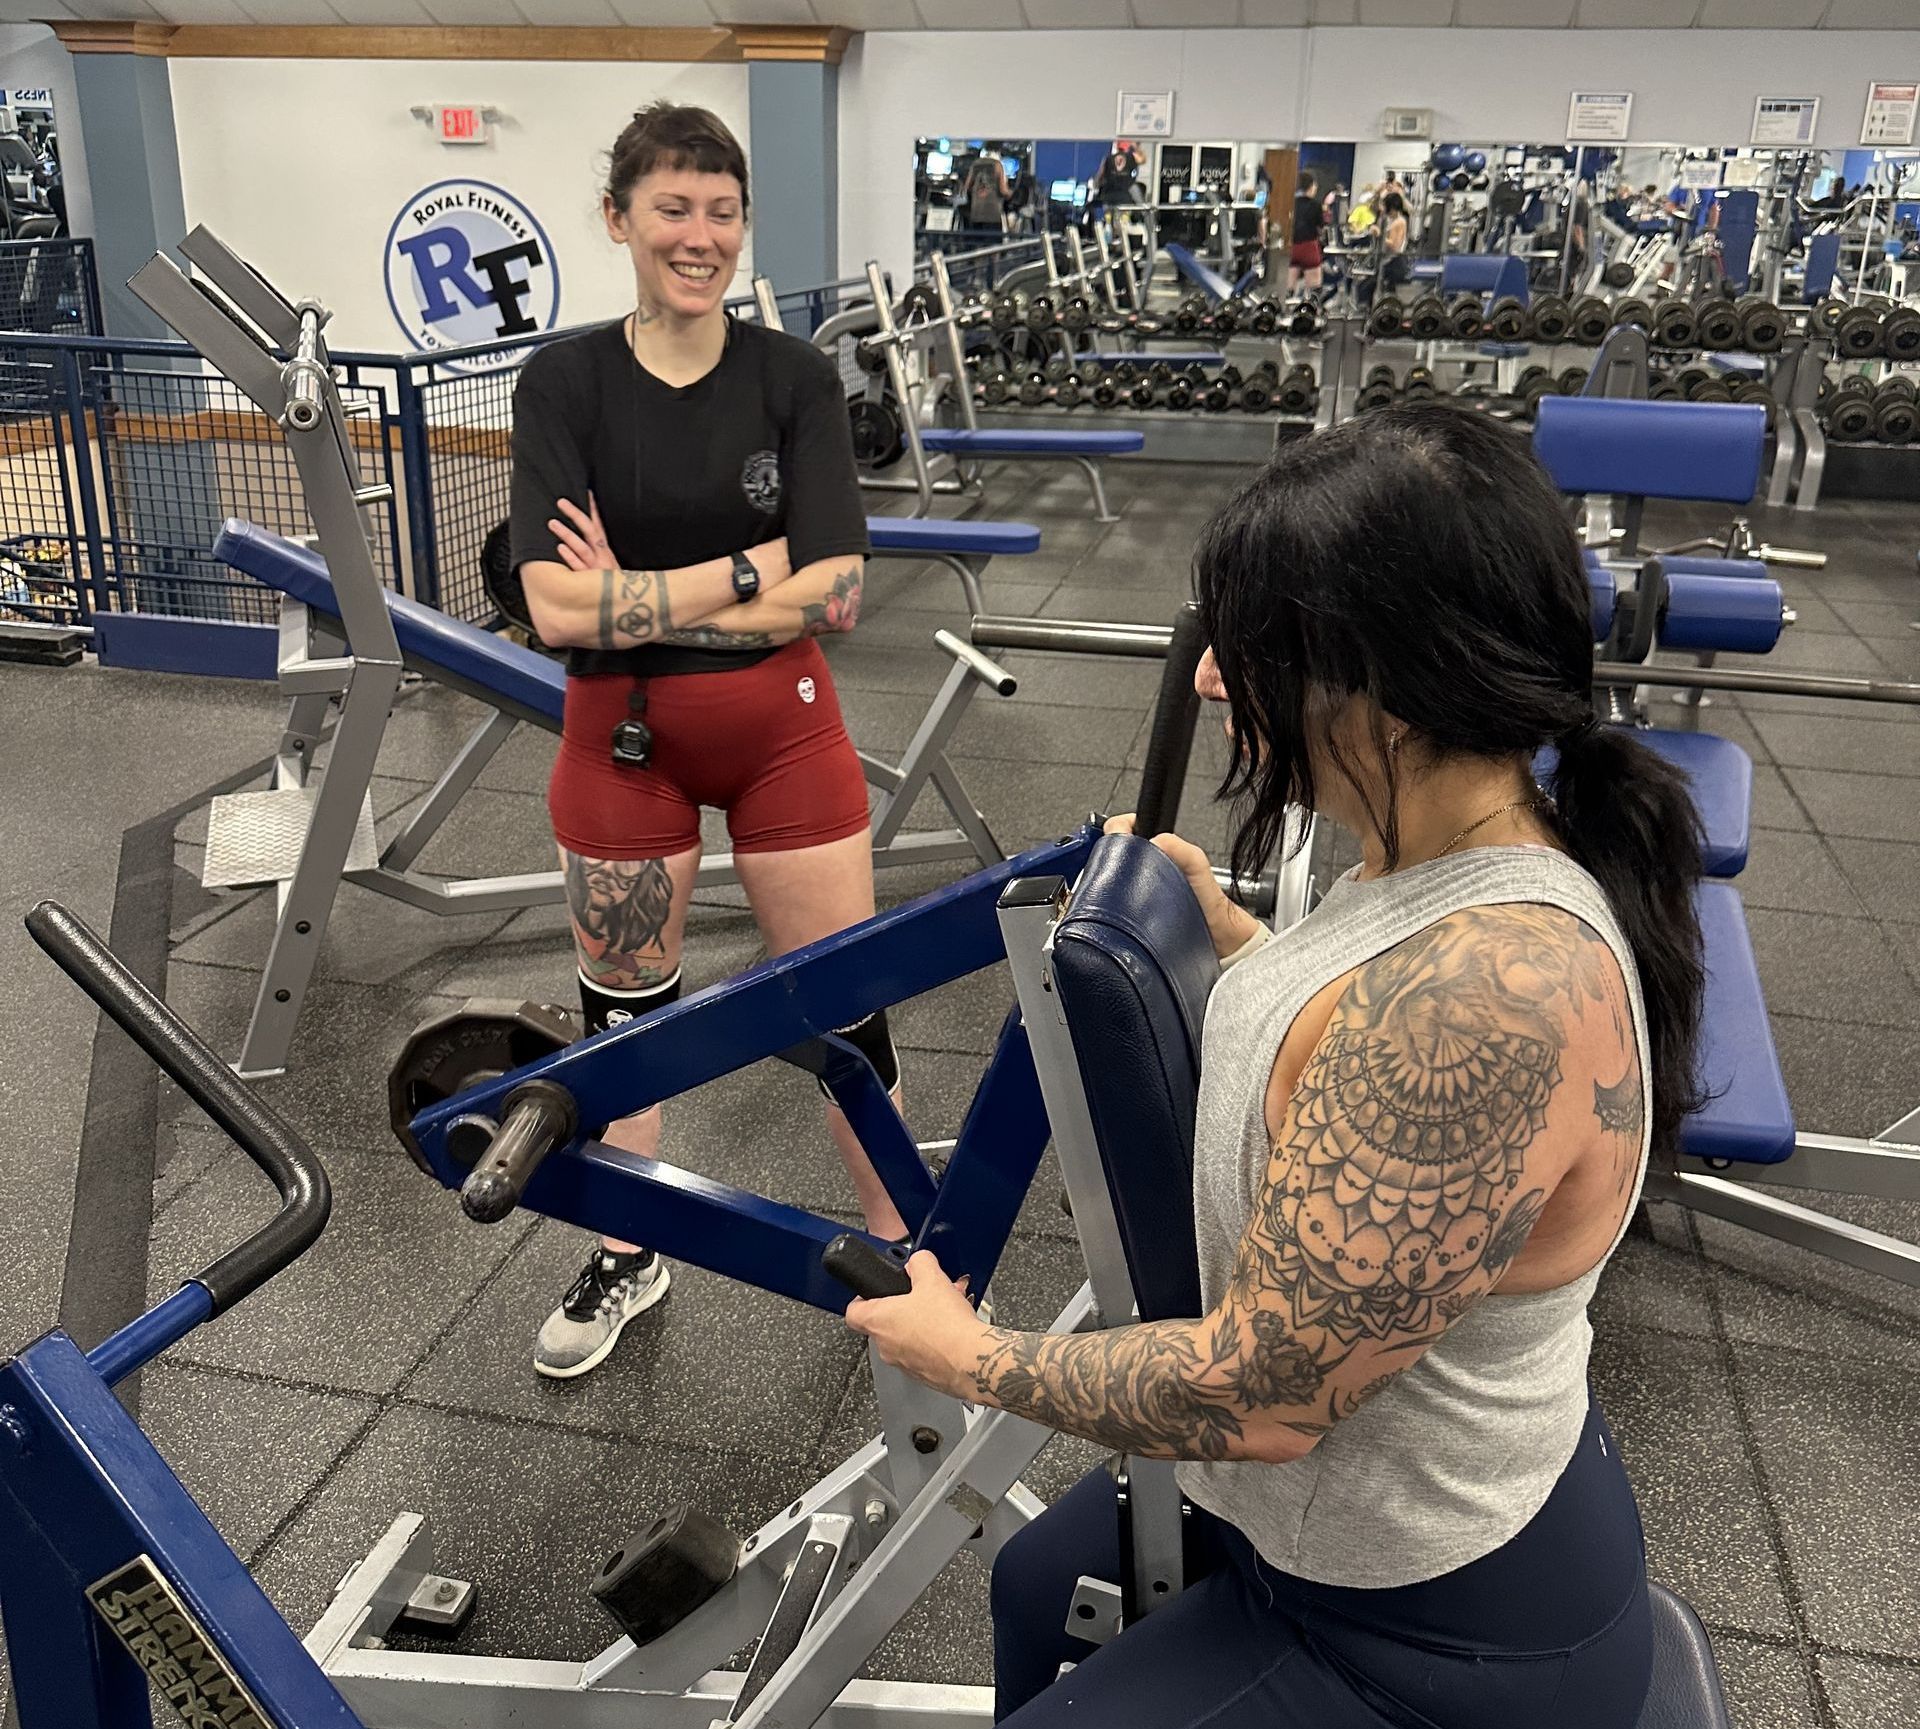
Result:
pixel 467 262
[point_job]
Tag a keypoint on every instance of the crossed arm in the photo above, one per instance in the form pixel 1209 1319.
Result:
pixel 585 601
pixel 1409 1165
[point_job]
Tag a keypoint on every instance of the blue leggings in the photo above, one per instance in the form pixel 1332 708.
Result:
pixel 1550 1631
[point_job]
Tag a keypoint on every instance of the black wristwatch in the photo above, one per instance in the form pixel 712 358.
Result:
pixel 746 578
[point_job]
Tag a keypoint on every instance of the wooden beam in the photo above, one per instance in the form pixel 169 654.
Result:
pixel 815 42
pixel 398 42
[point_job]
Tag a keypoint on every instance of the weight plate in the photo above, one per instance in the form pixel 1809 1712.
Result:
pixel 481 1040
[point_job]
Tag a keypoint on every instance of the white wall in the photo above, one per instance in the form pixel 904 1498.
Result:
pixel 302 165
pixel 30 58
pixel 1690 87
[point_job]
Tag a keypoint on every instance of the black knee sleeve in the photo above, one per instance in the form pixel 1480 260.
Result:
pixel 603 1008
pixel 873 1041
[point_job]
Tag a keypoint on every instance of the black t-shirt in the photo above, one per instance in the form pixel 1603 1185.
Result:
pixel 1308 218
pixel 758 448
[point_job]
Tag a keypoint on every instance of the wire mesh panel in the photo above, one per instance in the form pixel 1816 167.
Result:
pixel 43 548
pixel 49 286
pixel 468 419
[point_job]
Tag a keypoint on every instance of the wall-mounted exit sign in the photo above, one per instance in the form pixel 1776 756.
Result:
pixel 460 124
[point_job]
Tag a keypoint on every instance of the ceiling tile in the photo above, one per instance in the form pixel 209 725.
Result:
pixel 560 13
pixel 1406 11
pixel 1636 14
pixel 696 12
pixel 1873 15
pixel 870 14
pixel 1761 15
pixel 27 11
pixel 1514 14
pixel 466 11
pixel 1196 14
pixel 1078 14
pixel 137 11
pixel 1267 14
pixel 370 11
pixel 1336 11
pixel 765 12
pixel 205 12
pixel 972 14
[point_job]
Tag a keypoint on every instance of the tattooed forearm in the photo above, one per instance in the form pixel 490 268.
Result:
pixel 633 608
pixel 712 636
pixel 620 909
pixel 838 609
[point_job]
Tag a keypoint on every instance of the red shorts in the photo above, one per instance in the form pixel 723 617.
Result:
pixel 766 744
pixel 1305 255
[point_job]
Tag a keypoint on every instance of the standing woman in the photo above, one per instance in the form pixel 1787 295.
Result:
pixel 1303 263
pixel 1396 268
pixel 987 192
pixel 686 520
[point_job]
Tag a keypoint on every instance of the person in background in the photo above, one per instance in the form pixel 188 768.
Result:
pixel 1113 185
pixel 986 192
pixel 1303 263
pixel 1396 268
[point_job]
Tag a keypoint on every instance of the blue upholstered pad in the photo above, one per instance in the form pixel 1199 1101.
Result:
pixel 1720 775
pixel 1703 450
pixel 1197 271
pixel 1067 441
pixel 462 655
pixel 968 539
pixel 1133 966
pixel 1737 614
pixel 1494 273
pixel 1605 592
pixel 1749 1120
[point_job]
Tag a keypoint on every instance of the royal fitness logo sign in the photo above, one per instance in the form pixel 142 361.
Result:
pixel 467 263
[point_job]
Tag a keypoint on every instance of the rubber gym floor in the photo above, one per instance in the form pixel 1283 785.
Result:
pixel 1768 1402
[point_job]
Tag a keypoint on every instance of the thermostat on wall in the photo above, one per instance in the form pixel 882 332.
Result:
pixel 459 123
pixel 1408 123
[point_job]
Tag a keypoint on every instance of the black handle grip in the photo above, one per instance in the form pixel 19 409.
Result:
pixel 1170 743
pixel 863 1269
pixel 305 1195
pixel 539 1117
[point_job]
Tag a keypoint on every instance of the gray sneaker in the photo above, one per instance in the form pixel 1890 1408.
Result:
pixel 610 1291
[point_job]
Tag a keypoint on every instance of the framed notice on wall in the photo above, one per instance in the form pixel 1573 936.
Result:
pixel 1599 116
pixel 1890 113
pixel 1784 119
pixel 1144 114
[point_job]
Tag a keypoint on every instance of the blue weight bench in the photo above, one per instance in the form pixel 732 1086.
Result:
pixel 1200 273
pixel 1131 967
pixel 965 547
pixel 1085 449
pixel 255 838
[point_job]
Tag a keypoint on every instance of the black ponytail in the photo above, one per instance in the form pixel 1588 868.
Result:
pixel 1421 558
pixel 1628 819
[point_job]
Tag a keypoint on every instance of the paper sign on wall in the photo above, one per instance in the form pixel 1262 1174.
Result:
pixel 1144 114
pixel 1599 116
pixel 1890 113
pixel 1784 119
pixel 1700 176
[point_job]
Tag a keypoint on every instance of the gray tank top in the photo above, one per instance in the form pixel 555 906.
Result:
pixel 1459 1451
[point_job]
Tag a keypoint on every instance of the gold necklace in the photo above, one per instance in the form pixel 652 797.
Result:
pixel 1533 803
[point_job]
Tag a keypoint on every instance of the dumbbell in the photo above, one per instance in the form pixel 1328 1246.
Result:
pixel 994 389
pixel 1306 318
pixel 1763 326
pixel 1531 386
pixel 1896 412
pixel 1753 390
pixel 1188 314
pixel 1041 315
pixel 1673 323
pixel 1588 321
pixel 1427 318
pixel 1161 372
pixel 1825 318
pixel 1299 391
pixel 1089 372
pixel 1506 320
pixel 1057 368
pixel 1142 392
pixel 1716 322
pixel 1378 391
pixel 1257 389
pixel 1550 318
pixel 1230 314
pixel 1418 385
pixel 1263 317
pixel 1387 321
pixel 1631 309
pixel 1465 317
pixel 1572 380
pixel 1850 410
pixel 1661 388
pixel 1124 373
pixel 1007 311
pixel 1217 398
pixel 1076 314
pixel 1856 333
pixel 1618 274
pixel 1697 384
pixel 1900 333
pixel 1180 393
pixel 1105 394
pixel 1067 392
pixel 1033 390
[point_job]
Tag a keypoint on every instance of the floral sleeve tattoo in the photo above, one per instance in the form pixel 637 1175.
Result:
pixel 1397 1195
pixel 839 609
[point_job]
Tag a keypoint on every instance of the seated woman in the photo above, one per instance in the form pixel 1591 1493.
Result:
pixel 1425 1115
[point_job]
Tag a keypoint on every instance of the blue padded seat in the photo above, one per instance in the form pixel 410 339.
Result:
pixel 473 661
pixel 1696 450
pixel 1692 564
pixel 1133 965
pixel 1685 1693
pixel 1720 777
pixel 1068 441
pixel 930 535
pixel 1491 273
pixel 1748 1118
pixel 1734 614
pixel 1197 271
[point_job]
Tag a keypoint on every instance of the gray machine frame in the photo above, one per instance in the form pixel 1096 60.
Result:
pixel 313 829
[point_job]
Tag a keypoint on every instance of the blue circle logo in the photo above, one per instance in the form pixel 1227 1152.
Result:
pixel 467 263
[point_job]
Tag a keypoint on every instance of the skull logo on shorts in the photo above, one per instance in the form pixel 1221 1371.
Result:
pixel 806 690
